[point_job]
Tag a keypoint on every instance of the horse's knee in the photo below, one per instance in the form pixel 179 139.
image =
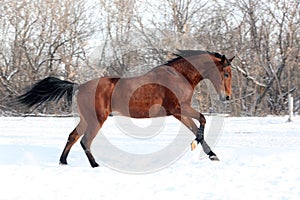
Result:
pixel 202 119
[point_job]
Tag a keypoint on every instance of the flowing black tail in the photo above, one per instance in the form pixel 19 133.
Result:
pixel 48 89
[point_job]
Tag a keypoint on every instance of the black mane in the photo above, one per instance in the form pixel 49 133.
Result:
pixel 186 53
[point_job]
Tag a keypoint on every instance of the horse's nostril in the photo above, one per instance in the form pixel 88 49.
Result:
pixel 227 98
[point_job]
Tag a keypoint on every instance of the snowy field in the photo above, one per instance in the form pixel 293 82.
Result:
pixel 259 160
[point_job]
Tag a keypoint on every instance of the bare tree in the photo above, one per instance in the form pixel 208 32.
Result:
pixel 41 39
pixel 266 43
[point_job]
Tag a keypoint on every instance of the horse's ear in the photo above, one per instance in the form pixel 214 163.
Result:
pixel 223 59
pixel 231 59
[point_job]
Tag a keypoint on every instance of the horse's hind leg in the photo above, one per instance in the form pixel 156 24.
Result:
pixel 73 137
pixel 86 142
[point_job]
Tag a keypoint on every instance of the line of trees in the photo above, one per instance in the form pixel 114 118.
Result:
pixel 58 37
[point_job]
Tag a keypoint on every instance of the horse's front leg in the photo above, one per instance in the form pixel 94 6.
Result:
pixel 205 146
pixel 190 112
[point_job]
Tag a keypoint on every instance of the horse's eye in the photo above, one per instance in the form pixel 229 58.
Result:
pixel 226 75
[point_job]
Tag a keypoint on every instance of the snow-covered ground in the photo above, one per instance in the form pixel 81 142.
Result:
pixel 259 160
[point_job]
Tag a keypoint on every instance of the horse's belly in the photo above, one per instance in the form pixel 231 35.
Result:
pixel 144 102
pixel 153 110
pixel 140 109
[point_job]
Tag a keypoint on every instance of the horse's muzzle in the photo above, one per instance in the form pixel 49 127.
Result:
pixel 224 97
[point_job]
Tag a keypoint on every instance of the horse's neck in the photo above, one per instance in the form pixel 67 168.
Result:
pixel 188 71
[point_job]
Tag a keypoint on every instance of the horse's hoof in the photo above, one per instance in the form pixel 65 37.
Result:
pixel 63 163
pixel 95 165
pixel 194 144
pixel 214 158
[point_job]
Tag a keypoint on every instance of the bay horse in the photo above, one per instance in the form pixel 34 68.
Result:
pixel 166 90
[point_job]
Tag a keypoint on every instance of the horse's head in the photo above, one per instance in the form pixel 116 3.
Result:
pixel 206 65
pixel 222 80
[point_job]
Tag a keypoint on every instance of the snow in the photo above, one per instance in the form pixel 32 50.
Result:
pixel 259 160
